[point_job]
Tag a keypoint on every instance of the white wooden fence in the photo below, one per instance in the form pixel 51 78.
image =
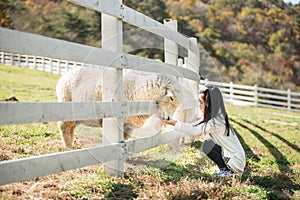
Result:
pixel 258 96
pixel 50 65
pixel 250 95
pixel 114 151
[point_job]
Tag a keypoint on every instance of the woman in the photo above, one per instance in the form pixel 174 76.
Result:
pixel 221 143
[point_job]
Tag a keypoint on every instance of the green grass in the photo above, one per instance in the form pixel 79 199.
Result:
pixel 270 138
pixel 27 84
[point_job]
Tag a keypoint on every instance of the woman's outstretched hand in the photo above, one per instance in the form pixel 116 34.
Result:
pixel 168 121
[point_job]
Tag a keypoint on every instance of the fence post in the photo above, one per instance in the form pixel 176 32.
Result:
pixel 67 66
pixel 206 82
pixel 43 63
pixel 112 40
pixel 171 47
pixel 289 99
pixel 59 66
pixel 11 59
pixel 19 60
pixel 255 95
pixel 171 57
pixel 231 91
pixel 193 64
pixel 3 57
pixel 185 60
pixel 34 62
pixel 51 65
pixel 26 61
pixel 180 62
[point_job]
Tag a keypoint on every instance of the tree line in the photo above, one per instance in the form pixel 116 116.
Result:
pixel 244 41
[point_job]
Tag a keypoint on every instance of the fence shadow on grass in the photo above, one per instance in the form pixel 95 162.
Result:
pixel 247 148
pixel 275 183
pixel 282 163
pixel 295 147
pixel 169 171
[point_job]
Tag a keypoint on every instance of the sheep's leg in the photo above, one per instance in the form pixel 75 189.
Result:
pixel 67 132
pixel 127 128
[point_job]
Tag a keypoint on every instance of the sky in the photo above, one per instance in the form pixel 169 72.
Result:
pixel 292 1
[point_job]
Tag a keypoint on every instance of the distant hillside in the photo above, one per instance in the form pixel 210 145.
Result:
pixel 251 41
pixel 244 41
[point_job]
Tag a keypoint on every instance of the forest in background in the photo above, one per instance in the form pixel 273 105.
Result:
pixel 244 41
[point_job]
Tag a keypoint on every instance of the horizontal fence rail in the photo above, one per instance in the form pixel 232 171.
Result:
pixel 32 44
pixel 25 113
pixel 29 168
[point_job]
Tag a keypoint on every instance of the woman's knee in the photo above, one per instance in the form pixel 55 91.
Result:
pixel 207 146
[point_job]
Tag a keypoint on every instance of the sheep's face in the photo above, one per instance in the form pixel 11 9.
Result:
pixel 170 102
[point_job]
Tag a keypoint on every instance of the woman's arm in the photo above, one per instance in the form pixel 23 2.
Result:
pixel 186 128
pixel 213 126
pixel 189 129
pixel 168 121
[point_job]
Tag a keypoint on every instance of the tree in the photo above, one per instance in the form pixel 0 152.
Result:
pixel 155 9
pixel 59 20
pixel 7 9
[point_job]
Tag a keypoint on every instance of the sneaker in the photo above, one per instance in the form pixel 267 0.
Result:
pixel 222 173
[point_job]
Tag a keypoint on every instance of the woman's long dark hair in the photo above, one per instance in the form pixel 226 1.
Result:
pixel 214 105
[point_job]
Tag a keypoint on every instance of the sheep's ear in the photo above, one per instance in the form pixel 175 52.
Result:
pixel 169 93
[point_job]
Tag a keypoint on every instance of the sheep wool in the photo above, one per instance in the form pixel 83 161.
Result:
pixel 84 84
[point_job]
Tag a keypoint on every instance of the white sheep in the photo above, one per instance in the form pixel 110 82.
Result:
pixel 85 84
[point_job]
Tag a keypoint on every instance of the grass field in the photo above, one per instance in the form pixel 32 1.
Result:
pixel 270 138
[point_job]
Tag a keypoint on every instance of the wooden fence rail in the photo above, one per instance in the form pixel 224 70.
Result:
pixel 37 166
pixel 25 113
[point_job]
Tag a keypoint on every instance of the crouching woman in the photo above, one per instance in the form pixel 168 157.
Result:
pixel 221 143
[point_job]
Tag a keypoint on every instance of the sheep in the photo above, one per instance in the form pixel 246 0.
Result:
pixel 85 84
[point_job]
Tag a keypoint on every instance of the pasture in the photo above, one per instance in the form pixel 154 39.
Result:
pixel 270 138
